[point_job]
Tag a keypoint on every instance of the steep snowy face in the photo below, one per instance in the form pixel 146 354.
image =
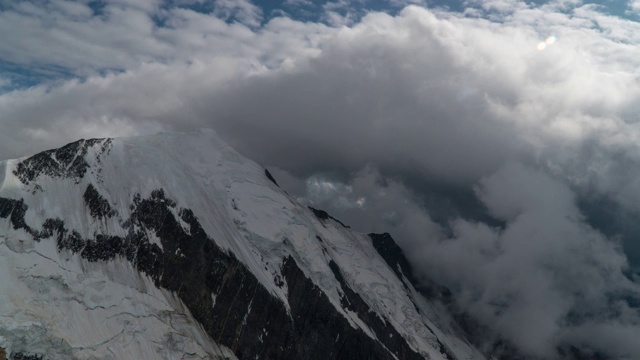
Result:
pixel 175 246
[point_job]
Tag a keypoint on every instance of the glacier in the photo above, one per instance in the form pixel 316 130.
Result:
pixel 174 246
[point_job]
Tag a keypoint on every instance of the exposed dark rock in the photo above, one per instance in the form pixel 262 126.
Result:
pixel 104 247
pixel 323 215
pixel 73 241
pixel 97 204
pixel 68 161
pixel 321 332
pixel 270 177
pixel 384 331
pixel 393 256
pixel 15 211
pixel 244 316
pixel 23 356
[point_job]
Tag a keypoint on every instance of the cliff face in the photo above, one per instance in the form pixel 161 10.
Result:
pixel 175 246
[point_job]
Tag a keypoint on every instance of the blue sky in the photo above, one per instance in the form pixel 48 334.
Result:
pixel 24 73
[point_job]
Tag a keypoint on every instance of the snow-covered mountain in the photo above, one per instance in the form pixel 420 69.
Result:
pixel 174 246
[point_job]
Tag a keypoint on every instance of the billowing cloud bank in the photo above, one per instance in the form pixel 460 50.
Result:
pixel 499 145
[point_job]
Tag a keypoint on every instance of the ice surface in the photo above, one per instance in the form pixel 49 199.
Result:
pixel 109 310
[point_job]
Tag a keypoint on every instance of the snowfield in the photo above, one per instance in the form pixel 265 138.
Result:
pixel 58 304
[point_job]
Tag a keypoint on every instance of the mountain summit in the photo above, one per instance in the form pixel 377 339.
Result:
pixel 175 246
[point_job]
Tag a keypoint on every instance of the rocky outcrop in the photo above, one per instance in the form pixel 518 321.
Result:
pixel 323 215
pixel 220 292
pixel 393 255
pixel 195 254
pixel 68 161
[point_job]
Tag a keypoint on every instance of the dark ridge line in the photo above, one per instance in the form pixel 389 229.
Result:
pixel 194 267
pixel 270 177
pixel 68 161
pixel 323 215
pixel 384 331
pixel 393 256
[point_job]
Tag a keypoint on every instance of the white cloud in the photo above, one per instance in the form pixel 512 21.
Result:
pixel 243 11
pixel 547 268
pixel 338 5
pixel 298 2
pixel 4 82
pixel 544 280
pixel 403 3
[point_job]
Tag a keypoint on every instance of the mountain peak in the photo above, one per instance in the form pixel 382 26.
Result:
pixel 176 244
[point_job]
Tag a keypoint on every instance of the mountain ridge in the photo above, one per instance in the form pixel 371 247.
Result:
pixel 223 251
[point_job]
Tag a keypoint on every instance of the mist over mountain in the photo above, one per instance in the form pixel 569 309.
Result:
pixel 175 245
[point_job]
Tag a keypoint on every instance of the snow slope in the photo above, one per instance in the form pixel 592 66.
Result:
pixel 61 302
